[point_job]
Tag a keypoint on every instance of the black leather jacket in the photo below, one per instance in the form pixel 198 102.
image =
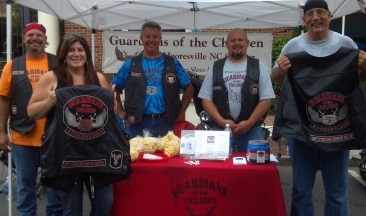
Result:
pixel 322 102
pixel 84 137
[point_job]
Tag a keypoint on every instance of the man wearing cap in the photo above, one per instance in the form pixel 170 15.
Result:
pixel 19 78
pixel 326 114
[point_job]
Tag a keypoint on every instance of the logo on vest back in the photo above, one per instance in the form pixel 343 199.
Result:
pixel 327 112
pixel 85 117
pixel 171 78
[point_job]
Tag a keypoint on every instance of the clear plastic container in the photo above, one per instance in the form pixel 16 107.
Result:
pixel 227 128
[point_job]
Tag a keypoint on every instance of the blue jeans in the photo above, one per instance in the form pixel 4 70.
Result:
pixel 101 203
pixel 334 169
pixel 157 127
pixel 27 161
pixel 241 140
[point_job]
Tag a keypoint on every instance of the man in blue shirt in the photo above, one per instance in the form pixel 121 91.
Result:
pixel 152 82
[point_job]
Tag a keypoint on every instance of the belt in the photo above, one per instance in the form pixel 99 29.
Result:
pixel 156 115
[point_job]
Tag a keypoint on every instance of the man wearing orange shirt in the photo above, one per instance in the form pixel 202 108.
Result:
pixel 17 82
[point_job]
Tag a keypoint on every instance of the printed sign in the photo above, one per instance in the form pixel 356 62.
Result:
pixel 196 51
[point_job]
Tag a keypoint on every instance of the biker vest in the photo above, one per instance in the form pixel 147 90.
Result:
pixel 21 92
pixel 249 90
pixel 322 102
pixel 84 137
pixel 135 90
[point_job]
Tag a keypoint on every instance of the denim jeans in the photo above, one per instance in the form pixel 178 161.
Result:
pixel 101 203
pixel 27 161
pixel 157 127
pixel 239 142
pixel 333 166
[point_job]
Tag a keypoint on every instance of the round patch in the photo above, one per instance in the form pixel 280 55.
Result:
pixel 171 78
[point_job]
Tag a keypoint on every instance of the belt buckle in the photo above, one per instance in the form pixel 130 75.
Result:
pixel 155 116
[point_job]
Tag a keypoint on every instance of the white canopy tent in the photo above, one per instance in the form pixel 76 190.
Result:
pixel 178 14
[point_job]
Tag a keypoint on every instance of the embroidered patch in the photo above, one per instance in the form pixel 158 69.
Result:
pixel 254 89
pixel 171 78
pixel 116 159
pixel 135 74
pixel 17 72
pixel 84 163
pixel 131 119
pixel 85 117
pixel 327 112
pixel 216 88
pixel 14 109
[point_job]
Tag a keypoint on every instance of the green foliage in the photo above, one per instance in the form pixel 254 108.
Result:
pixel 277 45
pixel 2 64
pixel 17 23
pixel 363 86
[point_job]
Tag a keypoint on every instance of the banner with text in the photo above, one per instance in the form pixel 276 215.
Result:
pixel 196 51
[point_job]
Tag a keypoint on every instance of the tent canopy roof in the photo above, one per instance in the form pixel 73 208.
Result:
pixel 178 14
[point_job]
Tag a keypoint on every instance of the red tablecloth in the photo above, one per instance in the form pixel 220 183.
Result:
pixel 213 188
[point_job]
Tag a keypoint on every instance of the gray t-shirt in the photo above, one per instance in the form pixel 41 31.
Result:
pixel 318 48
pixel 234 74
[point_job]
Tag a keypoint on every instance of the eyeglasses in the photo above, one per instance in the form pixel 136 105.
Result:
pixel 320 13
pixel 73 35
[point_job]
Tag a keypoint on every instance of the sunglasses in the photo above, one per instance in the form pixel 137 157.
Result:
pixel 68 35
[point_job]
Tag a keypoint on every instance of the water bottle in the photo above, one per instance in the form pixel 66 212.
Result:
pixel 6 188
pixel 227 128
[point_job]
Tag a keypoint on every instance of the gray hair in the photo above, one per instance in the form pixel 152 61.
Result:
pixel 151 24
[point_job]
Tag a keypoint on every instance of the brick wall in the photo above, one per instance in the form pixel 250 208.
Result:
pixel 70 27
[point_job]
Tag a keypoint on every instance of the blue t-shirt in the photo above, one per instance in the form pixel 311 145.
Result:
pixel 153 68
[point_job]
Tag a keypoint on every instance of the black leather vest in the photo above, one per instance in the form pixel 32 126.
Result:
pixel 322 102
pixel 21 92
pixel 135 90
pixel 84 137
pixel 248 100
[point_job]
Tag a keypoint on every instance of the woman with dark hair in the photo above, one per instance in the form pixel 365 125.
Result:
pixel 79 131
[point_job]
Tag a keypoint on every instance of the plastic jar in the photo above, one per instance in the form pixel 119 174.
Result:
pixel 258 152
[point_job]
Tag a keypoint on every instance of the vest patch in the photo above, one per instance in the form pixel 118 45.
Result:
pixel 131 119
pixel 135 74
pixel 254 89
pixel 171 78
pixel 18 72
pixel 327 112
pixel 116 159
pixel 217 88
pixel 84 163
pixel 85 117
pixel 14 109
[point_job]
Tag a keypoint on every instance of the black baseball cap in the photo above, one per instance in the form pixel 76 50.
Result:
pixel 310 4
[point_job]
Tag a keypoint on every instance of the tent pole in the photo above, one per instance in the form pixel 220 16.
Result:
pixel 8 30
pixel 8 57
pixel 93 45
